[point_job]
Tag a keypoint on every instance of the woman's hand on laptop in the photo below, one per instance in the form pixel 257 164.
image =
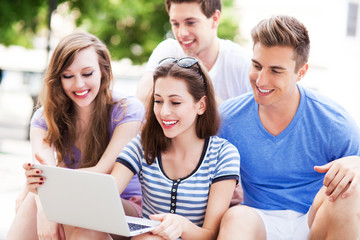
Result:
pixel 172 225
pixel 34 179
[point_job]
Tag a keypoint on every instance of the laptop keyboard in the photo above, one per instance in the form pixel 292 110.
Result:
pixel 136 226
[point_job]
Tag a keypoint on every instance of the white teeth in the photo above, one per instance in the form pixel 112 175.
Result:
pixel 187 42
pixel 169 122
pixel 81 93
pixel 263 90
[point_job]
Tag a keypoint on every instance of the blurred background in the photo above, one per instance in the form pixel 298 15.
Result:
pixel 29 31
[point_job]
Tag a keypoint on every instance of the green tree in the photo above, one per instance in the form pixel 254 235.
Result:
pixel 20 20
pixel 130 28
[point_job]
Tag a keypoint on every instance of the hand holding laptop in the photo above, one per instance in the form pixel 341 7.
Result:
pixel 33 176
pixel 83 199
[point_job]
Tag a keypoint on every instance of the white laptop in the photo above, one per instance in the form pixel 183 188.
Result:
pixel 87 200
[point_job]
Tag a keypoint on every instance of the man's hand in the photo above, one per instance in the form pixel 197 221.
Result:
pixel 342 176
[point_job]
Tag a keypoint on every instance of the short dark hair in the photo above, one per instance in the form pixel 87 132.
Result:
pixel 284 31
pixel 208 7
pixel 198 84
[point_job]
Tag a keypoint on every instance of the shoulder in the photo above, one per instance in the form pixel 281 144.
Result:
pixel 322 103
pixel 134 146
pixel 233 50
pixel 235 105
pixel 127 108
pixel 38 119
pixel 222 145
pixel 225 157
pixel 121 100
pixel 333 117
pixel 168 48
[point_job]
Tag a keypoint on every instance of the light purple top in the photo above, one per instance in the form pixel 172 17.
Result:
pixel 134 111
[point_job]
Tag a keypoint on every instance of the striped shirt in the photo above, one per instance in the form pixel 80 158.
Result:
pixel 187 196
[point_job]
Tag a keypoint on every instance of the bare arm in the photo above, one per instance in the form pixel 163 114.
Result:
pixel 219 200
pixel 122 176
pixel 173 226
pixel 144 87
pixel 121 136
pixel 45 228
pixel 39 146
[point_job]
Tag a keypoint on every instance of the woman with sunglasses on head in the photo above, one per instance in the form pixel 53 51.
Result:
pixel 81 124
pixel 187 174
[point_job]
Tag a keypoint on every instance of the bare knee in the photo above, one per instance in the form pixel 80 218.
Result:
pixel 244 221
pixel 24 223
pixel 81 233
pixel 146 236
pixel 335 220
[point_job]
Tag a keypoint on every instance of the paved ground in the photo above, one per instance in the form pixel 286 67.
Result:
pixel 13 153
pixel 15 110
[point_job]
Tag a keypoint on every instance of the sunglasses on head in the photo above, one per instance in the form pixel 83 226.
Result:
pixel 185 62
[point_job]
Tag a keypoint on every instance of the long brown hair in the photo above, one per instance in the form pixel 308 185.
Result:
pixel 198 84
pixel 59 109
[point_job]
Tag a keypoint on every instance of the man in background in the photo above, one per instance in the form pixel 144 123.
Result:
pixel 194 25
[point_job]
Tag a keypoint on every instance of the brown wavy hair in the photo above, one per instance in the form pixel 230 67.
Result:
pixel 198 84
pixel 59 110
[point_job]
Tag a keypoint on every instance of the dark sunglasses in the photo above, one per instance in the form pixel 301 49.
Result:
pixel 185 62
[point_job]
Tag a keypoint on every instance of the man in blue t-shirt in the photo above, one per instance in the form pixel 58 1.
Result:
pixel 300 164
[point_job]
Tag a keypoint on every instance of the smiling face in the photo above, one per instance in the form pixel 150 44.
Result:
pixel 175 108
pixel 192 29
pixel 273 77
pixel 81 80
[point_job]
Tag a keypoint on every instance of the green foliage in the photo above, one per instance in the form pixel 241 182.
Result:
pixel 19 20
pixel 130 28
pixel 228 27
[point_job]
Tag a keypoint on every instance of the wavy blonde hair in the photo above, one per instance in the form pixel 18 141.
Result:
pixel 59 110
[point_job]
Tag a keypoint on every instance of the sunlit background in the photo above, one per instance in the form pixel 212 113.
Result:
pixel 334 28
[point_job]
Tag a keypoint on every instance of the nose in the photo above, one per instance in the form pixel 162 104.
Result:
pixel 165 110
pixel 79 81
pixel 183 30
pixel 262 78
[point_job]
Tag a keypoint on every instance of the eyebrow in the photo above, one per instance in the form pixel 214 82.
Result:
pixel 186 19
pixel 272 67
pixel 170 96
pixel 82 69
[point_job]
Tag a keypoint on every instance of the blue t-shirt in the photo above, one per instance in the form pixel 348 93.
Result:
pixel 277 172
pixel 186 196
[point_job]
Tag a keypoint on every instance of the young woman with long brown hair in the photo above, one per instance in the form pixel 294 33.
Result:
pixel 81 124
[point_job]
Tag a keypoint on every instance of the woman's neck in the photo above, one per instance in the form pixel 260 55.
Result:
pixel 182 156
pixel 83 114
pixel 83 118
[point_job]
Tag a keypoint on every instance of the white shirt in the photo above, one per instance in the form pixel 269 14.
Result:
pixel 229 74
